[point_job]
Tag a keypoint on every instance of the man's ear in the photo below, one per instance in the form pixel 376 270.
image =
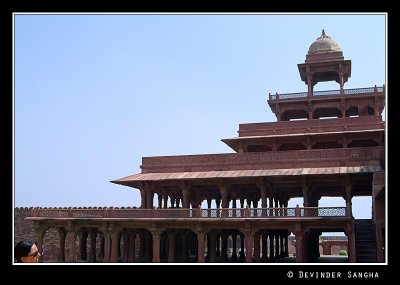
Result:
pixel 24 258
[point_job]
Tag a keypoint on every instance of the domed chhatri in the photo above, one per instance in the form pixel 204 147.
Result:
pixel 323 44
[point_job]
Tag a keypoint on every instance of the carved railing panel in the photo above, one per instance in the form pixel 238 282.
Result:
pixel 184 213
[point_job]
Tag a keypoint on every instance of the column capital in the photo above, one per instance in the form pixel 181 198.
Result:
pixel 156 231
pixel 262 183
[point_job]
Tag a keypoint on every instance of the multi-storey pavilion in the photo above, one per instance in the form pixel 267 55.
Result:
pixel 324 144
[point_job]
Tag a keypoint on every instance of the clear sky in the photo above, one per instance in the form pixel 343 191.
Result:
pixel 96 93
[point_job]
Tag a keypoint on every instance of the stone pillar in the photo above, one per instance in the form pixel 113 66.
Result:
pixel 149 197
pixel 143 198
pixel 201 239
pixel 277 255
pixel 309 82
pixel 92 253
pixel 40 233
pixel 348 198
pixel 257 247
pixel 156 234
pixel 248 235
pixel 61 252
pixel 114 243
pixel 224 247
pixel 102 242
pixel 185 188
pixel 125 252
pixel 341 81
pixel 350 232
pixel 224 195
pixel 263 191
pixel 71 235
pixel 271 247
pixel 209 202
pixel 107 246
pixel 299 244
pixel 282 253
pixel 234 253
pixel 241 255
pixel 218 244
pixel 286 245
pixel 171 246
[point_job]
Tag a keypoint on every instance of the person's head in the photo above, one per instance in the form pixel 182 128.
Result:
pixel 26 251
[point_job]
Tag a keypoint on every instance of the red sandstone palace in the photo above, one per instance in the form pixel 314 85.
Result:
pixel 324 144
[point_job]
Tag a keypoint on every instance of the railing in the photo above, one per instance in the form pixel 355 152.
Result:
pixel 185 213
pixel 312 125
pixel 354 91
pixel 298 158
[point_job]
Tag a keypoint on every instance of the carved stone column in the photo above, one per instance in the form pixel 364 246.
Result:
pixel 350 232
pixel 201 239
pixel 156 236
pixel 241 255
pixel 299 243
pixel 224 246
pixel 286 245
pixel 186 194
pixel 257 247
pixel 114 233
pixel 40 233
pixel 348 196
pixel 234 253
pixel 125 252
pixel 248 236
pixel 143 198
pixel 149 196
pixel 71 235
pixel 271 247
pixel 61 252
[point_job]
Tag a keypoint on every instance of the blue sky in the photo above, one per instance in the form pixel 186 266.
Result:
pixel 96 93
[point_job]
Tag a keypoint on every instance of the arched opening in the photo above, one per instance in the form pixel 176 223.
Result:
pixel 362 143
pixel 326 145
pixel 258 148
pixel 292 146
pixel 327 113
pixel 290 115
pixel 352 112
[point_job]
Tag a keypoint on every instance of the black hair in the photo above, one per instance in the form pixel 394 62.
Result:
pixel 22 249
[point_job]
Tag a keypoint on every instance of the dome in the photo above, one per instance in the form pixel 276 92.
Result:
pixel 324 44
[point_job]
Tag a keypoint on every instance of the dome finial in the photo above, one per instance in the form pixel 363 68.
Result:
pixel 323 35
